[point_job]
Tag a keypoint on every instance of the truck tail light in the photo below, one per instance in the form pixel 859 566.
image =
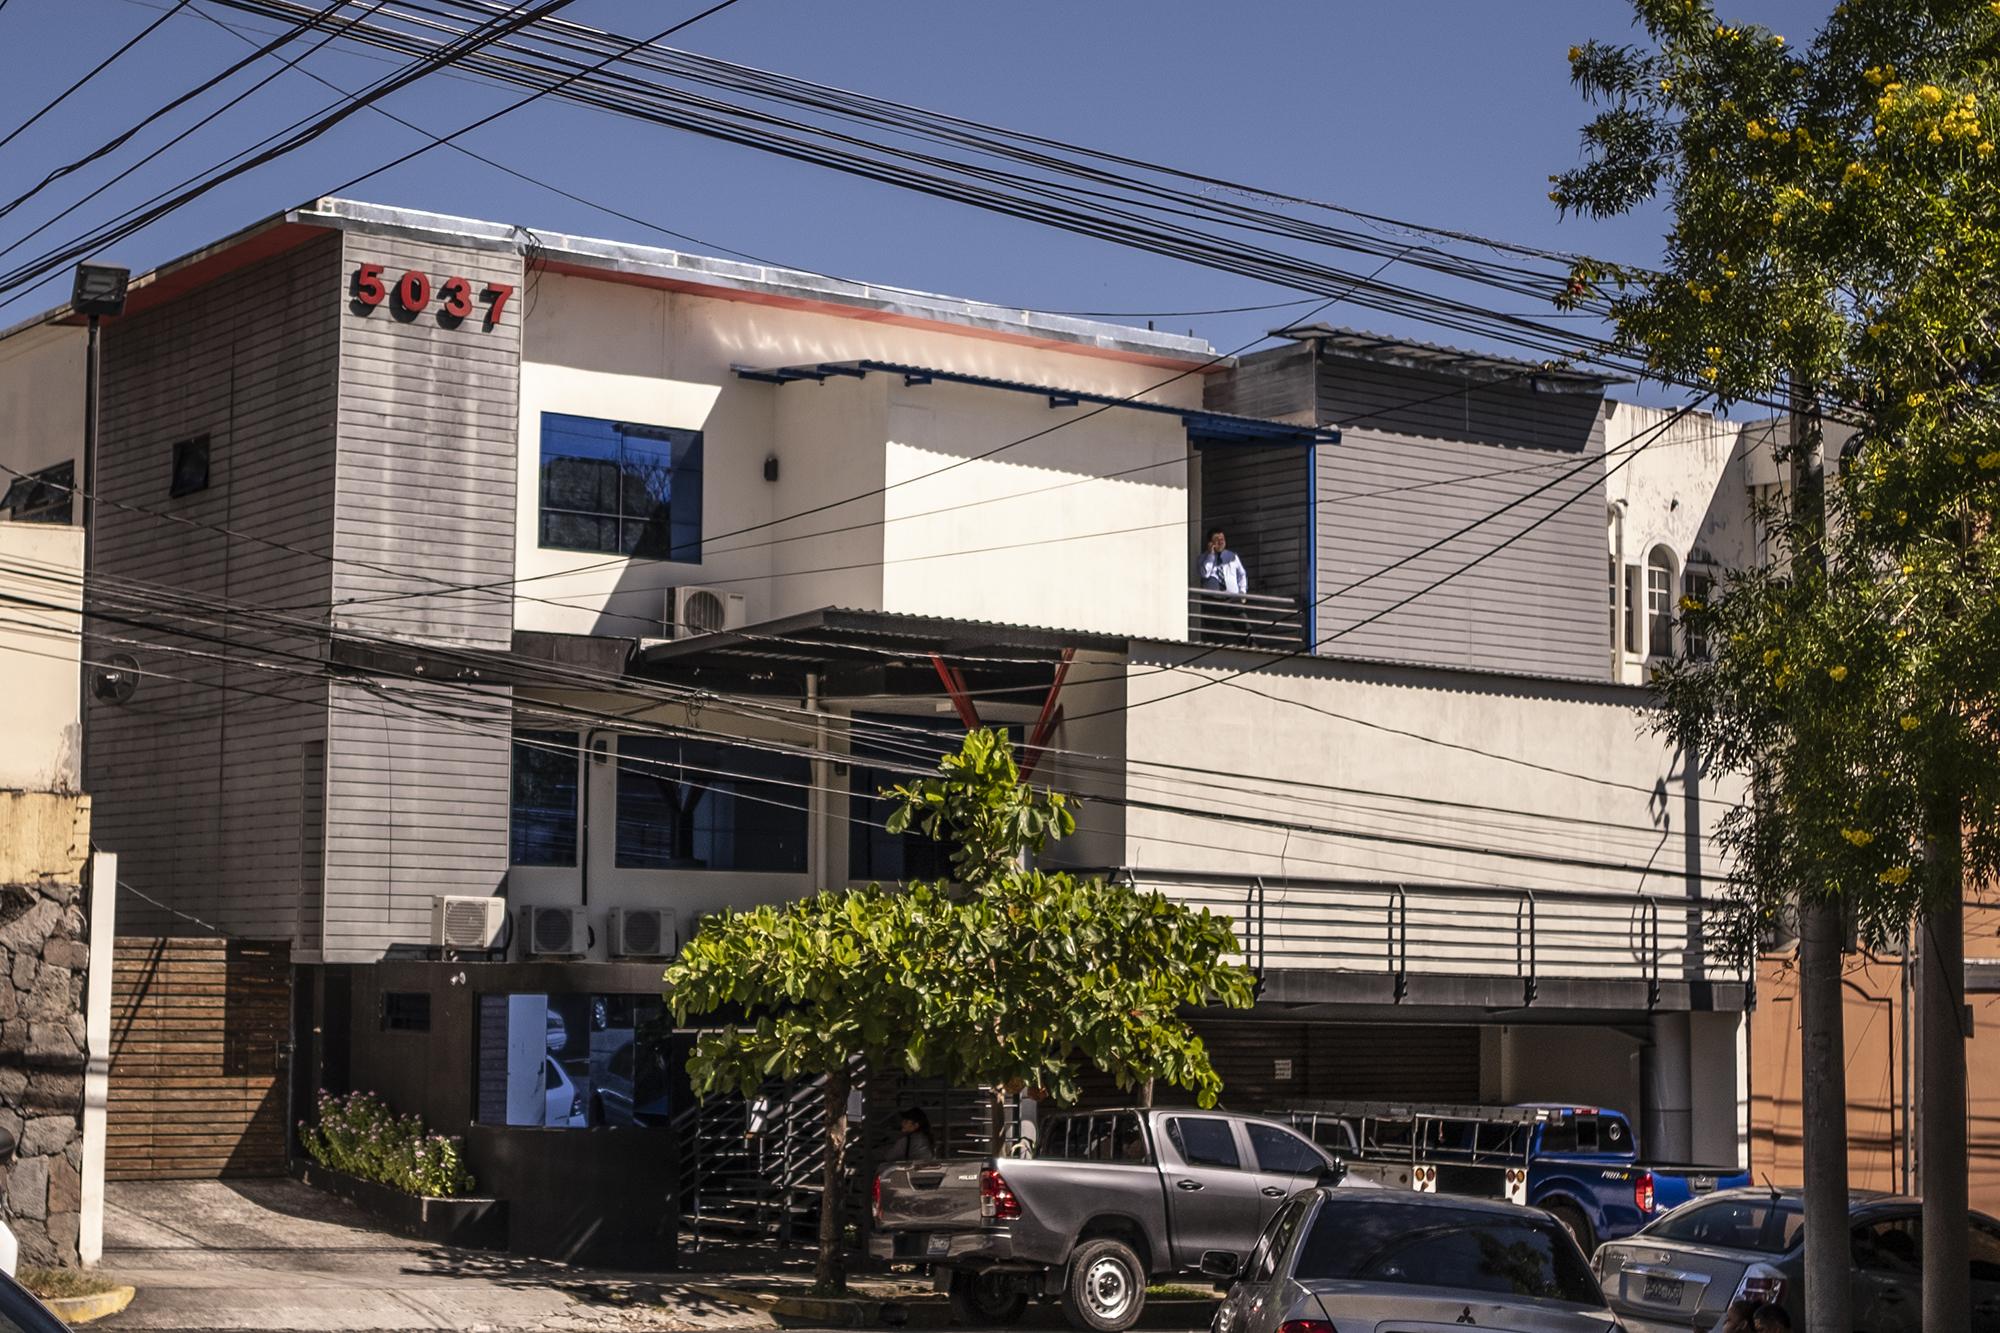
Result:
pixel 875 1201
pixel 1642 1192
pixel 996 1201
pixel 1762 1286
pixel 1307 1326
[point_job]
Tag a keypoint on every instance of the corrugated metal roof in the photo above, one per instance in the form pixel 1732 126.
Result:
pixel 1437 357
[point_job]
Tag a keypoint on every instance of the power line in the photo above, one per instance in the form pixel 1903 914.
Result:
pixel 96 70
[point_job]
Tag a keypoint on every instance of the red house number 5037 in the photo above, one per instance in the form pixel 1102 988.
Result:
pixel 412 293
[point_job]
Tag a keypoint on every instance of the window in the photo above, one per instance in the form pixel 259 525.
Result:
pixel 1611 583
pixel 1284 1153
pixel 1660 603
pixel 619 487
pixel 541 815
pixel 1890 1245
pixel 697 805
pixel 406 1011
pixel 1107 1136
pixel 1985 1253
pixel 874 853
pixel 1700 585
pixel 574 1061
pixel 190 467
pixel 1204 1142
pixel 1277 1238
pixel 41 497
pixel 1767 1226
pixel 1451 1248
pixel 1633 601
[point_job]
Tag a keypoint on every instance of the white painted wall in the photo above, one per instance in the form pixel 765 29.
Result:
pixel 40 650
pixel 605 349
pixel 41 399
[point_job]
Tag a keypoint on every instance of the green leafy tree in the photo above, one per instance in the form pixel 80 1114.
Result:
pixel 1835 236
pixel 1011 980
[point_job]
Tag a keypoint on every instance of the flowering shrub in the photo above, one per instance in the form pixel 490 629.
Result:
pixel 358 1134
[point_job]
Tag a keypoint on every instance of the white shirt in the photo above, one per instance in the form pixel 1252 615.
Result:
pixel 1223 566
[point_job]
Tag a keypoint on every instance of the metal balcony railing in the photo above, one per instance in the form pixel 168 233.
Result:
pixel 1254 620
pixel 1470 930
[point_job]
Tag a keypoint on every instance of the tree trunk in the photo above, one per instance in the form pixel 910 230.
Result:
pixel 830 1274
pixel 1823 1103
pixel 1941 1025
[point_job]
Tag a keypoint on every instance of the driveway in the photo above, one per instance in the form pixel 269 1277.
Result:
pixel 274 1254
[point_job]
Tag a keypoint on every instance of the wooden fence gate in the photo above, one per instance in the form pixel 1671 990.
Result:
pixel 199 1033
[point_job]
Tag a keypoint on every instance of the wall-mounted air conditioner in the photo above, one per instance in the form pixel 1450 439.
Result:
pixel 470 924
pixel 692 611
pixel 554 932
pixel 642 932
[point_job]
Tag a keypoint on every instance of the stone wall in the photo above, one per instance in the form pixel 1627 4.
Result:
pixel 44 954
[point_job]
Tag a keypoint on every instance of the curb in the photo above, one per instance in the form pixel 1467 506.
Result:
pixel 836 1311
pixel 83 1309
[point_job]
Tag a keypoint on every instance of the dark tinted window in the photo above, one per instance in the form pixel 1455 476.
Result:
pixel 897 744
pixel 620 487
pixel 190 472
pixel 1985 1253
pixel 406 1011
pixel 1203 1142
pixel 1559 1134
pixel 41 497
pixel 1283 1153
pixel 1271 1246
pixel 1766 1226
pixel 541 815
pixel 1889 1245
pixel 696 805
pixel 1451 1248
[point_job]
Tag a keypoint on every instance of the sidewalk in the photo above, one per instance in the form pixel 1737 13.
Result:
pixel 276 1255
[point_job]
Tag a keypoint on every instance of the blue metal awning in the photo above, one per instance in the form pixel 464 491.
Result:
pixel 1219 426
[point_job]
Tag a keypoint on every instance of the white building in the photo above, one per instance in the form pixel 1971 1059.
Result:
pixel 606 579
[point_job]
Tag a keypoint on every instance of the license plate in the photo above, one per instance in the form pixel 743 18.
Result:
pixel 937 1246
pixel 1664 1289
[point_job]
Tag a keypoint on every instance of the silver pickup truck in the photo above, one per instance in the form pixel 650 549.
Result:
pixel 1108 1200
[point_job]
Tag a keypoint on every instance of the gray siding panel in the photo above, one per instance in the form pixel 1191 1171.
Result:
pixel 197 781
pixel 1259 496
pixel 417 783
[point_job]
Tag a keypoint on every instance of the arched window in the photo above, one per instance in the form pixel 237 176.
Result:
pixel 1660 589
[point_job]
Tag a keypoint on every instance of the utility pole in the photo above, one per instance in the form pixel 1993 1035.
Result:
pixel 1822 1038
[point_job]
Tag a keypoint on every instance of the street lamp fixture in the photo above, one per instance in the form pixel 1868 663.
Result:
pixel 99 290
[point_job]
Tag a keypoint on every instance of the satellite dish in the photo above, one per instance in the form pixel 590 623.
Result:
pixel 115 681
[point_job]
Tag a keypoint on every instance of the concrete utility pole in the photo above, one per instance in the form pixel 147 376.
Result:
pixel 1822 1037
pixel 1941 1034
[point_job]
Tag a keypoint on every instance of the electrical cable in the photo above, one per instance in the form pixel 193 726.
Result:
pixel 96 70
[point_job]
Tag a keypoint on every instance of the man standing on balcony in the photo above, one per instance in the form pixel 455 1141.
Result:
pixel 1219 570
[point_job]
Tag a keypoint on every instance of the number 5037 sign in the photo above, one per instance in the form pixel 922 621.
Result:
pixel 412 295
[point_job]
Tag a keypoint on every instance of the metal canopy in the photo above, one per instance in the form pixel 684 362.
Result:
pixel 1437 358
pixel 1209 425
pixel 874 649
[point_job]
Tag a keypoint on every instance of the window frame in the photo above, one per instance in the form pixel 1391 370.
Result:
pixel 795 786
pixel 1661 621
pixel 569 740
pixel 184 450
pixel 1179 1141
pixel 21 489
pixel 1305 1145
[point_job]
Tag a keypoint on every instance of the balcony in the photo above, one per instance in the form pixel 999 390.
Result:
pixel 1251 620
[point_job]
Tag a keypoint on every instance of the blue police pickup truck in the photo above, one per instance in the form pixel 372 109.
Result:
pixel 1579 1163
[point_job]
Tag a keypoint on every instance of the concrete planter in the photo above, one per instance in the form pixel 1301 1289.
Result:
pixel 479 1224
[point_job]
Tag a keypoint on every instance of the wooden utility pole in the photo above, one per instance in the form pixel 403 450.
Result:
pixel 1822 1038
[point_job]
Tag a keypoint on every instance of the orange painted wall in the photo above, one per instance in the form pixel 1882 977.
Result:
pixel 1875 1071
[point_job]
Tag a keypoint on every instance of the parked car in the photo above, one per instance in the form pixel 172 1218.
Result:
pixel 1109 1200
pixel 564 1109
pixel 1581 1163
pixel 20 1312
pixel 1683 1271
pixel 1338 1261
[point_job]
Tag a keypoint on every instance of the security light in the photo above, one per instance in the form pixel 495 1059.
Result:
pixel 99 290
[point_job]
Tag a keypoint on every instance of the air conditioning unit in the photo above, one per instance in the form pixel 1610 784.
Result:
pixel 642 932
pixel 554 932
pixel 692 611
pixel 471 924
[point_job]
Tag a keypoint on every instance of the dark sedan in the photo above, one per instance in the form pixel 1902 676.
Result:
pixel 1683 1271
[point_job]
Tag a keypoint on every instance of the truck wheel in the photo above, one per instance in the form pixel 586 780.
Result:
pixel 986 1298
pixel 1576 1224
pixel 1106 1288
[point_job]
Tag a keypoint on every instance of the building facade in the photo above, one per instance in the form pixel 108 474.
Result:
pixel 613 583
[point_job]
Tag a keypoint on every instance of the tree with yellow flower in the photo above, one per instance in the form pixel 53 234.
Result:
pixel 1835 237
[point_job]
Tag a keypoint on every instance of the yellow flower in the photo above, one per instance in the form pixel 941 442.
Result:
pixel 1786 675
pixel 1839 673
pixel 1710 373
pixel 1985 149
pixel 1894 875
pixel 1874 73
pixel 1575 54
pixel 1931 93
pixel 1867 514
pixel 1770 656
pixel 1753 129
pixel 1860 837
pixel 1855 171
pixel 1955 456
pixel 1826 205
pixel 1902 517
pixel 1917 399
pixel 1908 722
pixel 1990 461
pixel 1994 5
pixel 1666 85
pixel 1691 603
pixel 1935 137
pixel 1777 217
pixel 1781 136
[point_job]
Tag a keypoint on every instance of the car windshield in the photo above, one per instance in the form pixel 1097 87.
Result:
pixel 1763 1225
pixel 1460 1248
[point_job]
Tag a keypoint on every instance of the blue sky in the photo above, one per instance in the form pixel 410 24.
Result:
pixel 1451 113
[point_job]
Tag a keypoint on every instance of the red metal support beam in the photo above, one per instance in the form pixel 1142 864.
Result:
pixel 1051 716
pixel 954 685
